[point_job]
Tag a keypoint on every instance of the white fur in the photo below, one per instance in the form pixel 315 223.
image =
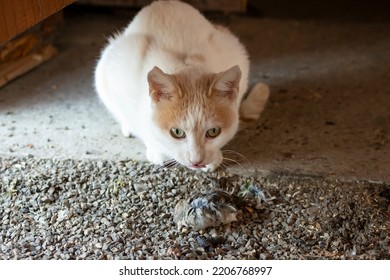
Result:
pixel 169 35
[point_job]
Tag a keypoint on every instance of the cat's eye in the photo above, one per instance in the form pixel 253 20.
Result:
pixel 177 133
pixel 213 132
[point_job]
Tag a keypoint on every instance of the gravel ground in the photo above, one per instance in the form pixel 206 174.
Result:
pixel 90 209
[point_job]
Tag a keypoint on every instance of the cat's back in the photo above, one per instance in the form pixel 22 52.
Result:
pixel 170 21
pixel 176 31
pixel 173 36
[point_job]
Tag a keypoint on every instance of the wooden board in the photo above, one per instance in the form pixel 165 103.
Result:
pixel 14 68
pixel 29 49
pixel 17 16
pixel 32 39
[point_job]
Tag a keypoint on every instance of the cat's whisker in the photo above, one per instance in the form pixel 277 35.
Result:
pixel 170 163
pixel 225 165
pixel 241 156
pixel 234 152
pixel 232 161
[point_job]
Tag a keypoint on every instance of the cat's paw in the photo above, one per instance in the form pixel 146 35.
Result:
pixel 155 157
pixel 211 167
pixel 126 131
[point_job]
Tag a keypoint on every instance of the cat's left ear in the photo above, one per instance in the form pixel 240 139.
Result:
pixel 161 85
pixel 227 82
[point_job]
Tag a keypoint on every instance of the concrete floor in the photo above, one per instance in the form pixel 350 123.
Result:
pixel 328 115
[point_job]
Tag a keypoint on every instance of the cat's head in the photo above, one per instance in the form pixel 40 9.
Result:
pixel 195 114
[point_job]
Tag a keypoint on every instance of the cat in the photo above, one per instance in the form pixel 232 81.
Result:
pixel 176 81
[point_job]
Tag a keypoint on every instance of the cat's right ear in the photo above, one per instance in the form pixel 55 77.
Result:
pixel 227 82
pixel 161 85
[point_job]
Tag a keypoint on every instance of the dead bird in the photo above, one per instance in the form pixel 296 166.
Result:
pixel 205 210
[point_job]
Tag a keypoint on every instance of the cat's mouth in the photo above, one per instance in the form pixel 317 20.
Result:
pixel 196 166
pixel 172 163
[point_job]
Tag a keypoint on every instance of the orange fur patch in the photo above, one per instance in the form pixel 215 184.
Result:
pixel 194 103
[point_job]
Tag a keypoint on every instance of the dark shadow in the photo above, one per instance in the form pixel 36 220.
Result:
pixel 332 10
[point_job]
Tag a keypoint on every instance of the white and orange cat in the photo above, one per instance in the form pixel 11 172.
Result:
pixel 176 81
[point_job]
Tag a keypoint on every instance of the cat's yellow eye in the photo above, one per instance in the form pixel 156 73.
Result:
pixel 177 133
pixel 213 132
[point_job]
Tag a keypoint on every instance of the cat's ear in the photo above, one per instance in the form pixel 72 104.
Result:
pixel 227 82
pixel 161 85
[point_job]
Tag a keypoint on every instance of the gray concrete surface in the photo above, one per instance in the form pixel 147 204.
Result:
pixel 328 115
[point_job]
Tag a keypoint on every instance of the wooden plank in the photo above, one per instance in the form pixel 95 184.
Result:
pixel 31 40
pixel 17 67
pixel 20 15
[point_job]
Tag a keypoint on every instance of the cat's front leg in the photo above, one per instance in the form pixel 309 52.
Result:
pixel 155 156
pixel 211 167
pixel 126 131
